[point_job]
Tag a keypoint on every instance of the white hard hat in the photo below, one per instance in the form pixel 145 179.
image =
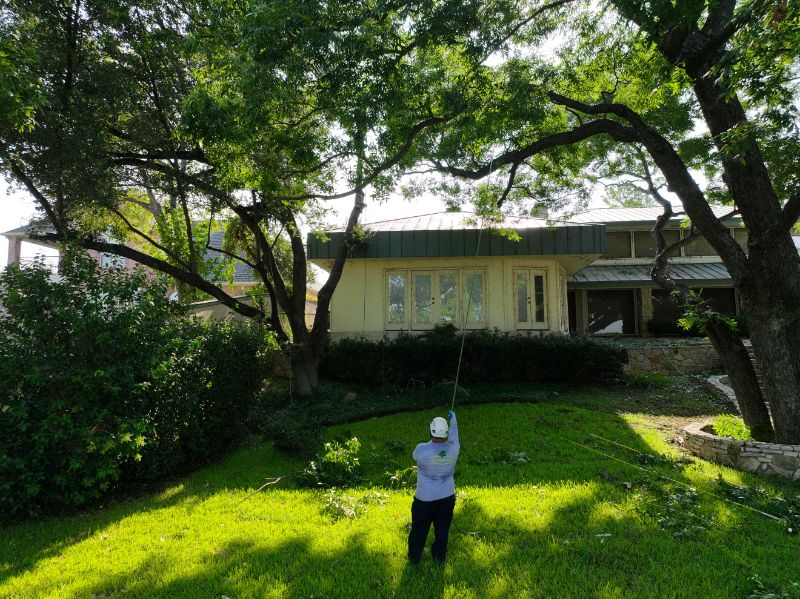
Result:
pixel 439 428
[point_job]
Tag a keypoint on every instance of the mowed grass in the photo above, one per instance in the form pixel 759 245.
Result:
pixel 548 528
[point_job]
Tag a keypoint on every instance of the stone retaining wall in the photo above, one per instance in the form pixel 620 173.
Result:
pixel 751 456
pixel 671 359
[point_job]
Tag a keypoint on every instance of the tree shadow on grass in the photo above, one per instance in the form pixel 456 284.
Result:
pixel 591 543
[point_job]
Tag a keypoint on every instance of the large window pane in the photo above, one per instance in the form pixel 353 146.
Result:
pixel 423 295
pixel 645 247
pixel 619 244
pixel 665 307
pixel 474 301
pixel 448 297
pixel 538 293
pixel 521 292
pixel 612 311
pixel 720 299
pixel 396 292
pixel 699 247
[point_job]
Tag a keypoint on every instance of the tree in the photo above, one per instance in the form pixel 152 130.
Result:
pixel 143 125
pixel 643 75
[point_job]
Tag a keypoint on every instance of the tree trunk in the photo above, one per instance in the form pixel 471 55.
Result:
pixel 742 376
pixel 305 369
pixel 777 346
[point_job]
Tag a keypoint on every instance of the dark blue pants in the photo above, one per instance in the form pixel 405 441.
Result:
pixel 423 514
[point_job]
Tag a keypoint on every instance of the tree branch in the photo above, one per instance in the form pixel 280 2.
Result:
pixel 678 177
pixel 189 278
pixel 615 129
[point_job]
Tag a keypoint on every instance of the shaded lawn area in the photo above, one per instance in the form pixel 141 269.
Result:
pixel 548 527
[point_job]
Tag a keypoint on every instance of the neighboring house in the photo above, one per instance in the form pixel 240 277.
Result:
pixel 22 234
pixel 616 294
pixel 410 274
pixel 244 278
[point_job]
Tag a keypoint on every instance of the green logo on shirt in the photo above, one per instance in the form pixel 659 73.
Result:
pixel 442 453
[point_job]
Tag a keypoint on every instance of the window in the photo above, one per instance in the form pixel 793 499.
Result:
pixel 612 312
pixel 111 261
pixel 396 299
pixel 645 247
pixel 699 247
pixel 529 294
pixel 475 298
pixel 420 299
pixel 619 244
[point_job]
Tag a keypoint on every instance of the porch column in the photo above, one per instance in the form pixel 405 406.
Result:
pixel 646 312
pixel 14 249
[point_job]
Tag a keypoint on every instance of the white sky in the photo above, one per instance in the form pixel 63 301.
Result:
pixel 18 207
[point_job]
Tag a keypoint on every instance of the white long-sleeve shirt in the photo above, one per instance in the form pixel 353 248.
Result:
pixel 436 463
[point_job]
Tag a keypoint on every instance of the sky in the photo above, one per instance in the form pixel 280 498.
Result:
pixel 17 207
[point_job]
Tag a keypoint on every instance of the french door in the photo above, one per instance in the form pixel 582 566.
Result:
pixel 529 298
pixel 436 298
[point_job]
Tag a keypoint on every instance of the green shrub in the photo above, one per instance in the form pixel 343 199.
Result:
pixel 734 427
pixel 337 466
pixel 489 356
pixel 104 381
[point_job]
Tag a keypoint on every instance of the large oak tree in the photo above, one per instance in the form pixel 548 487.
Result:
pixel 706 91
pixel 140 125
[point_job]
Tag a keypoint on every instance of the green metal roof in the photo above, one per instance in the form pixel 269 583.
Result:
pixel 453 235
pixel 638 275
pixel 645 218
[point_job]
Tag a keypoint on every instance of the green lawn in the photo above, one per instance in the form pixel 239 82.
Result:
pixel 548 528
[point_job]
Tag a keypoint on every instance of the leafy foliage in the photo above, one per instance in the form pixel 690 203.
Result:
pixel 103 381
pixel 489 356
pixel 727 425
pixel 337 466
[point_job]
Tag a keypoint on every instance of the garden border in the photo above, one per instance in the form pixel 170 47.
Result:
pixel 750 456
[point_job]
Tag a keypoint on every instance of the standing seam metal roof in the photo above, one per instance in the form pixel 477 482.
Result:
pixel 634 275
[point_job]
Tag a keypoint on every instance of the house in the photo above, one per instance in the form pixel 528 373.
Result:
pixel 615 294
pixel 588 274
pixel 240 287
pixel 410 274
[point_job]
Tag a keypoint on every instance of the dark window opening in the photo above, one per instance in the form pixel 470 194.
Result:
pixel 612 312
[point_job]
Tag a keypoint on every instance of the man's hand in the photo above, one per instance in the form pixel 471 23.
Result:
pixel 450 415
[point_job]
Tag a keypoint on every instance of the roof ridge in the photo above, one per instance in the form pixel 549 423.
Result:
pixel 389 220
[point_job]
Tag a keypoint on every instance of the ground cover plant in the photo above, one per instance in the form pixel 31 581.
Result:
pixel 560 523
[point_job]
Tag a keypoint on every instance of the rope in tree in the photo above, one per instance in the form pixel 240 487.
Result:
pixel 464 326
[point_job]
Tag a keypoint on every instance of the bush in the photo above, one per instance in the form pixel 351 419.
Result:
pixel 489 356
pixel 103 380
pixel 734 427
pixel 337 466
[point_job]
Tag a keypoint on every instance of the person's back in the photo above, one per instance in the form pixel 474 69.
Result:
pixel 435 497
pixel 436 464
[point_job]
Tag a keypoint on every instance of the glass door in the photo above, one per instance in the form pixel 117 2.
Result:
pixel 422 283
pixel 529 299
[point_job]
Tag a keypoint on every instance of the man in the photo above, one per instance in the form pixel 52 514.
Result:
pixel 435 496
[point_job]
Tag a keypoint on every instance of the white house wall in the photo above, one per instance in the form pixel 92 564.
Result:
pixel 359 303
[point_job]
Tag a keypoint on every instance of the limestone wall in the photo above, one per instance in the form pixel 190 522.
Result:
pixel 671 359
pixel 751 456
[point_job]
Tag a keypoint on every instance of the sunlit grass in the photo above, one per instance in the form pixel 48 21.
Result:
pixel 549 528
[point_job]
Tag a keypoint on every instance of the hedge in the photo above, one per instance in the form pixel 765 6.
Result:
pixel 104 382
pixel 489 356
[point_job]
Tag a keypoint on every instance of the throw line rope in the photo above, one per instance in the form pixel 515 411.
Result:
pixel 469 305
